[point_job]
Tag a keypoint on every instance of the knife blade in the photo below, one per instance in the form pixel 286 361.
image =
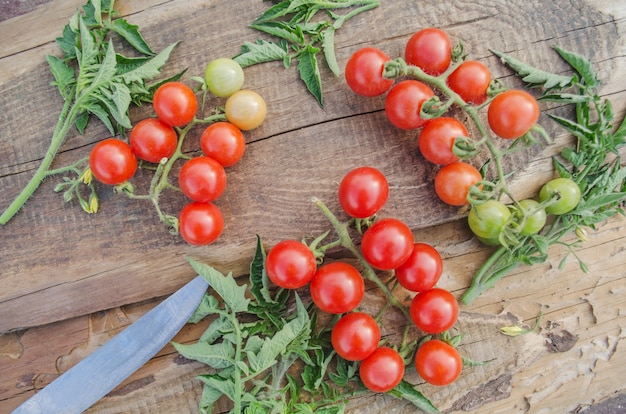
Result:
pixel 95 376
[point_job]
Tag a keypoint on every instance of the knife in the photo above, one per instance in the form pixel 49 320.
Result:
pixel 95 376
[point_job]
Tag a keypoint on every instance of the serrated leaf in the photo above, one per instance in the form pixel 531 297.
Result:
pixel 207 306
pixel 67 40
pixel 588 207
pixel 310 73
pixel 216 329
pixel 219 384
pixel 63 76
pixel 102 114
pixel 408 392
pixel 233 295
pixel 259 52
pixel 574 128
pixel 534 76
pixel 564 98
pixel 218 356
pixel 328 46
pixel 151 68
pixel 209 397
pixel 274 12
pixel 280 30
pixel 259 282
pixel 580 65
pixel 130 33
pixel 277 344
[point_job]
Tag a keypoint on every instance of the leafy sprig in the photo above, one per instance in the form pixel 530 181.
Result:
pixel 301 37
pixel 602 182
pixel 93 79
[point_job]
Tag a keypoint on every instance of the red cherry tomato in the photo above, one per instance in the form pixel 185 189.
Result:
pixel 112 161
pixel 175 103
pixel 404 103
pixel 387 244
pixel 337 287
pixel 453 181
pixel 429 49
pixel 364 72
pixel 512 113
pixel 422 270
pixel 355 336
pixel 471 81
pixel 223 142
pixel 290 264
pixel 202 179
pixel 152 140
pixel 200 224
pixel 363 191
pixel 436 139
pixel 434 310
pixel 438 363
pixel 382 370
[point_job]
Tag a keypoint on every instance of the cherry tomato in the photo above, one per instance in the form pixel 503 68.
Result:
pixel 429 49
pixel 404 103
pixel 246 109
pixel 512 113
pixel 175 103
pixel 471 81
pixel 223 77
pixel 436 139
pixel 152 140
pixel 568 195
pixel 355 336
pixel 363 192
pixel 387 244
pixel 438 362
pixel 112 161
pixel 434 310
pixel 200 224
pixel 364 72
pixel 223 142
pixel 535 222
pixel 382 370
pixel 202 179
pixel 337 287
pixel 421 270
pixel 453 181
pixel 290 264
pixel 487 219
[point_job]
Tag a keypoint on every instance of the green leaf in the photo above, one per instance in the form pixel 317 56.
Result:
pixel 573 127
pixel 280 30
pixel 218 328
pixel 207 306
pixel 532 75
pixel 209 397
pixel 588 208
pixel 261 51
pixel 309 72
pixel 580 65
pixel 234 296
pixel 328 46
pixel 276 345
pixel 259 282
pixel 98 110
pixel 130 33
pixel 63 76
pixel 219 384
pixel 219 355
pixel 406 391
pixel 274 12
pixel 81 122
pixel 564 98
pixel 151 68
pixel 67 42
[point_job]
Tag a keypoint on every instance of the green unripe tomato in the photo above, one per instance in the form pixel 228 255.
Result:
pixel 486 220
pixel 535 222
pixel 568 195
pixel 223 77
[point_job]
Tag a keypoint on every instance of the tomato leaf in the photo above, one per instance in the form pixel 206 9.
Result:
pixel 410 393
pixel 328 46
pixel 219 355
pixel 580 65
pixel 63 76
pixel 130 33
pixel 310 73
pixel 534 76
pixel 259 282
pixel 225 286
pixel 281 30
pixel 261 51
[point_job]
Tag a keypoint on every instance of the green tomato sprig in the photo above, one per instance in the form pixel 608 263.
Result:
pixel 301 37
pixel 94 79
pixel 601 183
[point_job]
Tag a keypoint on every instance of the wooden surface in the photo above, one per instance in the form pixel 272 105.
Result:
pixel 70 280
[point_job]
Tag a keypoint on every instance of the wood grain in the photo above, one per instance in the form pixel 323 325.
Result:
pixel 74 280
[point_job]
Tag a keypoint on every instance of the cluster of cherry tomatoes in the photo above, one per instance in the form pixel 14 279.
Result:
pixel 155 140
pixel 338 288
pixel 511 114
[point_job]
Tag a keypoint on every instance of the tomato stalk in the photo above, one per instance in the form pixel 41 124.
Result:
pixel 346 242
